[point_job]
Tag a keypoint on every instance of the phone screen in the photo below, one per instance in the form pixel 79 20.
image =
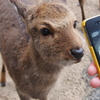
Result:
pixel 93 31
pixel 95 36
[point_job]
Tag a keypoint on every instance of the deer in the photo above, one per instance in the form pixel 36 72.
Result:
pixel 81 2
pixel 36 43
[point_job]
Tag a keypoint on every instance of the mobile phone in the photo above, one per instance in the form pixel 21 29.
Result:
pixel 91 29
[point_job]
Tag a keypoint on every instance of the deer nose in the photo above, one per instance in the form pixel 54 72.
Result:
pixel 77 53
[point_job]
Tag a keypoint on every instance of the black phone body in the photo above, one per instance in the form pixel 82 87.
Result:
pixel 93 31
pixel 91 28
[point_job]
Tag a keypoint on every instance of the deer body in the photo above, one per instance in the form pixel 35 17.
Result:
pixel 34 56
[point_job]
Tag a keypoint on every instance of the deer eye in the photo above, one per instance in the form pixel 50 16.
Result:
pixel 45 32
pixel 75 23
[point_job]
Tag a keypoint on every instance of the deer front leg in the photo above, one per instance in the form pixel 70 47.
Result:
pixel 64 1
pixel 3 76
pixel 22 97
pixel 81 2
pixel 99 4
pixel 44 98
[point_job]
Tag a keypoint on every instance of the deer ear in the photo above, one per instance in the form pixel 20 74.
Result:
pixel 22 8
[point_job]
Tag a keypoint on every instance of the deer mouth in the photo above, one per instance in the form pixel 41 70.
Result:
pixel 77 61
pixel 73 60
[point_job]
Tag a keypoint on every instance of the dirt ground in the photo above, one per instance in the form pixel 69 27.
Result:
pixel 73 83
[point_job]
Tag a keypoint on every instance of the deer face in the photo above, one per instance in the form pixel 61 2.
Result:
pixel 53 32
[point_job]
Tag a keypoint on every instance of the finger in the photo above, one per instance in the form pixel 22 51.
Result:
pixel 95 82
pixel 92 70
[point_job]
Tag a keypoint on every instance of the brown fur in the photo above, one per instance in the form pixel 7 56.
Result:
pixel 34 61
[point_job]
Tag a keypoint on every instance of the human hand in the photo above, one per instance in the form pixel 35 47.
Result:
pixel 95 82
